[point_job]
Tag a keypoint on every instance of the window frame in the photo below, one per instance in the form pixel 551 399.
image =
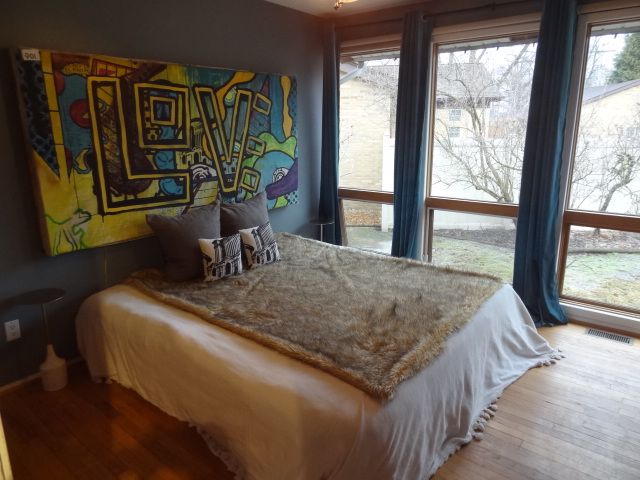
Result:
pixel 385 44
pixel 589 16
pixel 455 114
pixel 466 32
pixel 453 130
pixel 604 12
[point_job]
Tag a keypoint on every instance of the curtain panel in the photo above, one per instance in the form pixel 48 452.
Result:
pixel 539 218
pixel 329 205
pixel 410 147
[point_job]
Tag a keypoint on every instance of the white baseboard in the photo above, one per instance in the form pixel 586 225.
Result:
pixel 606 320
pixel 31 378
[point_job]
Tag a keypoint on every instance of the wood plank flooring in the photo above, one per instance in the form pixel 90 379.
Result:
pixel 579 419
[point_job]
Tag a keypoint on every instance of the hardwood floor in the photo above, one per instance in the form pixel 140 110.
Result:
pixel 96 431
pixel 579 419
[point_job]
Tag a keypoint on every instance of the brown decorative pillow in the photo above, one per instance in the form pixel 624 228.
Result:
pixel 237 216
pixel 179 236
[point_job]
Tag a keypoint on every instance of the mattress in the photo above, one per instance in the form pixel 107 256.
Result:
pixel 269 416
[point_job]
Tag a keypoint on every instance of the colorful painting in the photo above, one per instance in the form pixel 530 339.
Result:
pixel 113 139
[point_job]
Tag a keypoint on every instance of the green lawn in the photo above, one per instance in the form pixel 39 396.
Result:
pixel 474 256
pixel 369 238
pixel 612 278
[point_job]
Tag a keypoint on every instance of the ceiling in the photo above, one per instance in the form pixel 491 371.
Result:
pixel 325 7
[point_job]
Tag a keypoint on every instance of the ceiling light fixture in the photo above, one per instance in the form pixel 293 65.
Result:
pixel 339 3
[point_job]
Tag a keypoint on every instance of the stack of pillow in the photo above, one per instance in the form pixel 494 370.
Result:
pixel 210 240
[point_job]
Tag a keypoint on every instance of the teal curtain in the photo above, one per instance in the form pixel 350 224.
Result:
pixel 410 147
pixel 534 276
pixel 328 207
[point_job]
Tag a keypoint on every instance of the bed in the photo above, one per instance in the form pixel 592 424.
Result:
pixel 270 416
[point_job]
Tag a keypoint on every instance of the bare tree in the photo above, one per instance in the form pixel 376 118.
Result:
pixel 481 149
pixel 608 164
pixel 383 76
pixel 596 73
pixel 607 157
pixel 484 149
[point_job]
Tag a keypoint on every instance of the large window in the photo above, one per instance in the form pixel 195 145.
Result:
pixel 482 101
pixel 368 91
pixel 480 104
pixel 600 254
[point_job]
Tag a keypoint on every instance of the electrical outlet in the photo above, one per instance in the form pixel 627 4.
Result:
pixel 12 330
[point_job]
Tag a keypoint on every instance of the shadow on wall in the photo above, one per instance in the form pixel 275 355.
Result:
pixel 80 274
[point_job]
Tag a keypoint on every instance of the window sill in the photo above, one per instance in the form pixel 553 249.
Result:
pixel 602 318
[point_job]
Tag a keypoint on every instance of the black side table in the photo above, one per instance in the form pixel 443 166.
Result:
pixel 54 368
pixel 322 223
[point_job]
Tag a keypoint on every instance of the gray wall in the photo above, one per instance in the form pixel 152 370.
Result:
pixel 243 34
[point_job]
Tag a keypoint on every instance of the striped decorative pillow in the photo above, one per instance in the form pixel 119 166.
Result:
pixel 221 257
pixel 259 245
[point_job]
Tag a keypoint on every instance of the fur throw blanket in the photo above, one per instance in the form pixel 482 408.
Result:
pixel 370 320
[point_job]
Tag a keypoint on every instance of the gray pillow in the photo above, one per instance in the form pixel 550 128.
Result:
pixel 179 236
pixel 237 216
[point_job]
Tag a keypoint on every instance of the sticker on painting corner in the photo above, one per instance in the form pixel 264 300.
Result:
pixel 30 55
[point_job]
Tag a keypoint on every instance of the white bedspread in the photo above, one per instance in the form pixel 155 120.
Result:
pixel 273 417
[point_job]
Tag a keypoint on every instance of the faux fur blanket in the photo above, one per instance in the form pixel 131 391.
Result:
pixel 369 319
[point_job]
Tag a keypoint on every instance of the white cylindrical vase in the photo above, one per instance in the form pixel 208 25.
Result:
pixel 53 371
